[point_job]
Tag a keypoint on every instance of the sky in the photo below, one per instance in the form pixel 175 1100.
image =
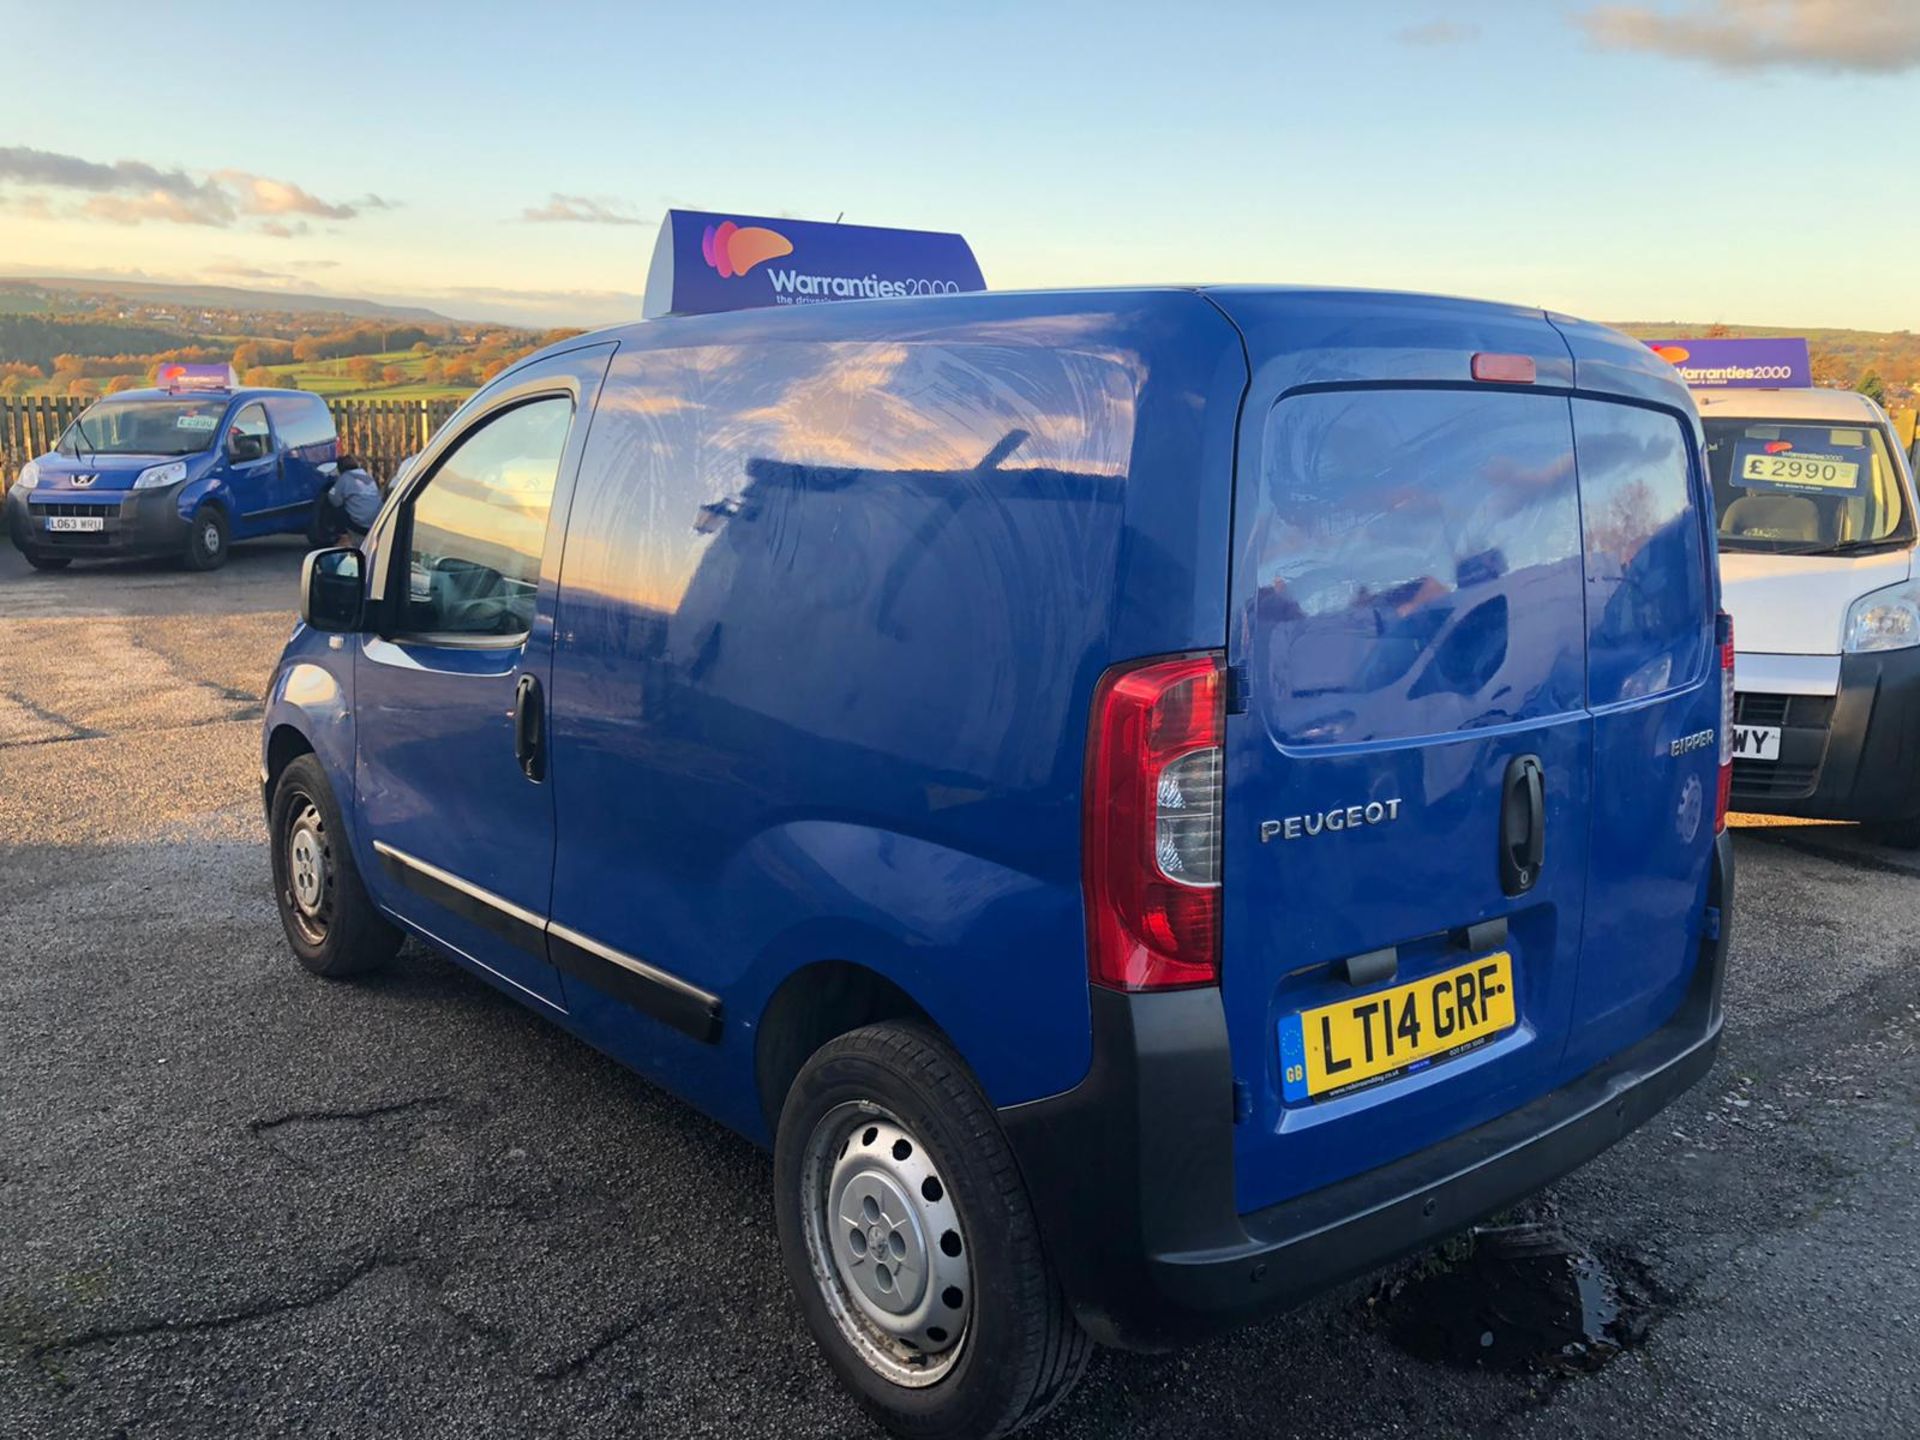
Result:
pixel 1744 161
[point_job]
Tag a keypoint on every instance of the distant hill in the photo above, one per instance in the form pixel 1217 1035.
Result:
pixel 215 297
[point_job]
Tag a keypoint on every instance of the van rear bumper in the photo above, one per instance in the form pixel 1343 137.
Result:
pixel 1131 1173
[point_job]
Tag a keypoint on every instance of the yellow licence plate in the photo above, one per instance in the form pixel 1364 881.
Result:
pixel 1387 1032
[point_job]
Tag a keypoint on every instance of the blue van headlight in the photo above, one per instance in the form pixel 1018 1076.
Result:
pixel 29 476
pixel 1886 619
pixel 154 476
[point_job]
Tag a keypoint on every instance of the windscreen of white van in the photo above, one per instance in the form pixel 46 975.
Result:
pixel 1805 487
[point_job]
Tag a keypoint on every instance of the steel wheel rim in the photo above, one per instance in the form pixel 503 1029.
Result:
pixel 309 871
pixel 210 538
pixel 886 1245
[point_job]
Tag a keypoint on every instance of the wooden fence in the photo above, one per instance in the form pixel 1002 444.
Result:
pixel 380 432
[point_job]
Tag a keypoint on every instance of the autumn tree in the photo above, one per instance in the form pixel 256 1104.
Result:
pixel 392 375
pixel 13 385
pixel 123 382
pixel 246 355
pixel 259 375
pixel 1873 387
pixel 364 369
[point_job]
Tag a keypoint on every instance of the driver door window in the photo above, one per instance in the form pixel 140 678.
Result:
pixel 249 438
pixel 477 529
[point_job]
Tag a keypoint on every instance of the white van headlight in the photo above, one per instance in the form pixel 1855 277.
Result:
pixel 154 476
pixel 29 476
pixel 1886 619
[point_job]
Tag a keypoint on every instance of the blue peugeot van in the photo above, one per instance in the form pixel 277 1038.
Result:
pixel 175 472
pixel 1150 803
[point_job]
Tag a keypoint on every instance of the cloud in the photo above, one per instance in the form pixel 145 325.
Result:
pixel 131 192
pixel 1850 36
pixel 1439 32
pixel 581 209
pixel 260 195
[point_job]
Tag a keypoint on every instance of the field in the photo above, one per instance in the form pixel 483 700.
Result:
pixel 329 378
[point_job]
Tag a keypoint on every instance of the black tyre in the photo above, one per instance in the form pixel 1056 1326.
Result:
pixel 910 1243
pixel 48 562
pixel 207 539
pixel 323 526
pixel 330 921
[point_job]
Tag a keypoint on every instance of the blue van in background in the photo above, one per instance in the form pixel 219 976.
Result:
pixel 175 472
pixel 1150 802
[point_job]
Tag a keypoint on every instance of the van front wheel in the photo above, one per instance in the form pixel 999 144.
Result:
pixel 330 920
pixel 910 1243
pixel 207 539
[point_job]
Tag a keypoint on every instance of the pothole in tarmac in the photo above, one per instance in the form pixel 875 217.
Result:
pixel 1515 1298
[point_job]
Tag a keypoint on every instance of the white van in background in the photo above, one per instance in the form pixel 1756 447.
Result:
pixel 1817 527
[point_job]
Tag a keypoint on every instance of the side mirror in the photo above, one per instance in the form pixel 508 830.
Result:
pixel 246 447
pixel 333 589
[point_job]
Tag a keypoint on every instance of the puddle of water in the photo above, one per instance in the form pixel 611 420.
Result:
pixel 1524 1297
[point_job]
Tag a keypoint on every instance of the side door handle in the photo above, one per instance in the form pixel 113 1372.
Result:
pixel 1523 824
pixel 530 728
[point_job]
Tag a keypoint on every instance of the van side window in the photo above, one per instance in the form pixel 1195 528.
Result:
pixel 301 420
pixel 1645 552
pixel 476 531
pixel 249 438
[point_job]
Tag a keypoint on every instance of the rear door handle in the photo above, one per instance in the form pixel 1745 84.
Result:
pixel 530 728
pixel 1523 824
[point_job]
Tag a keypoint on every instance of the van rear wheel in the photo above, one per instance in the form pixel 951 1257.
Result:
pixel 910 1243
pixel 330 920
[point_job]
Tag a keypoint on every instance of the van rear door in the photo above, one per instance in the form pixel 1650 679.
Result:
pixel 1653 688
pixel 1408 797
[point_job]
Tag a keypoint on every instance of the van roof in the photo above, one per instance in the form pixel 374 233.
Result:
pixel 1339 334
pixel 244 392
pixel 1796 404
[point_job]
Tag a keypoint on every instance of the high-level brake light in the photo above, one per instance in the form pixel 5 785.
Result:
pixel 1503 369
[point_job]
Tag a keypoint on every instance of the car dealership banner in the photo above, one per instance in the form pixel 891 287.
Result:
pixel 705 262
pixel 1773 364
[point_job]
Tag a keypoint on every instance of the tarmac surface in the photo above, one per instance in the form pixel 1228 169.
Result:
pixel 237 1200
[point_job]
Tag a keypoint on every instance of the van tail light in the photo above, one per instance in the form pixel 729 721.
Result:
pixel 1723 635
pixel 1153 824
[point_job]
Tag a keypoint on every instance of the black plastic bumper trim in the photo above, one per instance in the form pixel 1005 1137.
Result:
pixel 1131 1172
pixel 1866 763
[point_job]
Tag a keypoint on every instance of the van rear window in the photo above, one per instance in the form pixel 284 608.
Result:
pixel 1417 563
pixel 1646 546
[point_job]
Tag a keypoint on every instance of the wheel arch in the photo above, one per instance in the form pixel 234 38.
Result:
pixel 286 743
pixel 814 1005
